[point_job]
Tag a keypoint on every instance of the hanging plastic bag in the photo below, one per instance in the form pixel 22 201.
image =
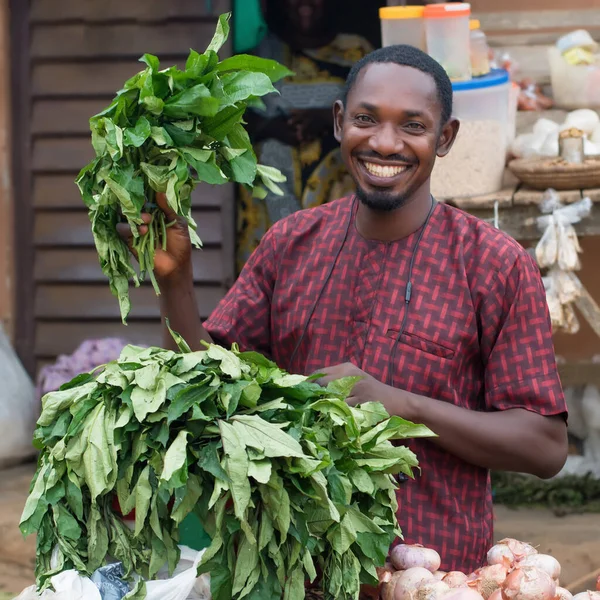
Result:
pixel 19 408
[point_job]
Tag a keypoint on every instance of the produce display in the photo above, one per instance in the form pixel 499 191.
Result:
pixel 166 131
pixel 291 483
pixel 514 571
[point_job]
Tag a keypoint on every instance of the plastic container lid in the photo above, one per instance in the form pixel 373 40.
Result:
pixel 401 12
pixel 474 24
pixel 447 11
pixel 494 78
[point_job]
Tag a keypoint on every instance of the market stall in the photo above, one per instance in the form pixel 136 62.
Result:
pixel 505 159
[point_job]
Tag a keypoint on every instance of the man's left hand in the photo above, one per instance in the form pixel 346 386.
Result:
pixel 368 389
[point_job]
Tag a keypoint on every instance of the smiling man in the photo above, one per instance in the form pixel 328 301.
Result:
pixel 443 315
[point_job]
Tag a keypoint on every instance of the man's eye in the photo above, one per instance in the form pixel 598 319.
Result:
pixel 364 119
pixel 416 126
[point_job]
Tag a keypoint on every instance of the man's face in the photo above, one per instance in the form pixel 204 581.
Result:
pixel 306 15
pixel 390 133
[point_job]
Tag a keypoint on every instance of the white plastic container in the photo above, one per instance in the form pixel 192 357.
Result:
pixel 402 25
pixel 475 165
pixel 573 86
pixel 480 51
pixel 448 39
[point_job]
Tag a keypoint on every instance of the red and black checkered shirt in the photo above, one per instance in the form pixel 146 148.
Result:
pixel 477 335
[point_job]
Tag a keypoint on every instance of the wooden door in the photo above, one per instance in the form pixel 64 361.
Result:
pixel 69 57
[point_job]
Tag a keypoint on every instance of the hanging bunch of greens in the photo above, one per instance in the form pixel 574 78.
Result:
pixel 166 131
pixel 288 480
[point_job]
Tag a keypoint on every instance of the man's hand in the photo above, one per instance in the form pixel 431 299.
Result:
pixel 176 259
pixel 368 389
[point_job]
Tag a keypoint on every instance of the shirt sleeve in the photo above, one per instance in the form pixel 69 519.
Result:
pixel 244 315
pixel 520 370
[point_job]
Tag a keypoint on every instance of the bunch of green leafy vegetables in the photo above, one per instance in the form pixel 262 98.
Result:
pixel 290 482
pixel 166 131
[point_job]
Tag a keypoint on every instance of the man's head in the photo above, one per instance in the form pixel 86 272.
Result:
pixel 392 122
pixel 305 17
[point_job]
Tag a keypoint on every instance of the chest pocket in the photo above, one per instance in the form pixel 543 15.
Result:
pixel 418 342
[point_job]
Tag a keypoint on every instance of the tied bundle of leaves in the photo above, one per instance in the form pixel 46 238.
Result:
pixel 166 131
pixel 291 483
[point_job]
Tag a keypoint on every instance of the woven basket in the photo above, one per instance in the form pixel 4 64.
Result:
pixel 544 173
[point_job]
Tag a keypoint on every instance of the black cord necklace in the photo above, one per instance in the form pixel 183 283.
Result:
pixel 407 294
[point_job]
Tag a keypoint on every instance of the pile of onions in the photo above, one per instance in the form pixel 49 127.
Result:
pixel 515 571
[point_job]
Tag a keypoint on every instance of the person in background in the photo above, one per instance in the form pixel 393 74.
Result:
pixel 295 131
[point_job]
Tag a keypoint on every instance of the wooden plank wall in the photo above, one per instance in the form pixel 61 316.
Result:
pixel 78 54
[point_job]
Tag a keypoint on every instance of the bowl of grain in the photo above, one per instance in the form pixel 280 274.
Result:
pixel 543 173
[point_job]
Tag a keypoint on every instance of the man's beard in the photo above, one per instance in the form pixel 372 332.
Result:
pixel 382 201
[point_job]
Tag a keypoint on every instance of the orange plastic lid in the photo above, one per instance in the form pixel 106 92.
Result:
pixel 401 12
pixel 474 24
pixel 447 11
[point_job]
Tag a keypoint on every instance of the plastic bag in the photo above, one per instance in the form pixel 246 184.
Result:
pixel 68 585
pixel 19 408
pixel 184 585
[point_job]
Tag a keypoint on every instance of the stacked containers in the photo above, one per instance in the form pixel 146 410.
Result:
pixel 447 38
pixel 475 165
pixel 403 25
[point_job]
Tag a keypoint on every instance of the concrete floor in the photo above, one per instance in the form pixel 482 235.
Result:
pixel 574 540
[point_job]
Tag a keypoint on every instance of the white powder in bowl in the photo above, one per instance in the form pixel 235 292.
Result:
pixel 475 165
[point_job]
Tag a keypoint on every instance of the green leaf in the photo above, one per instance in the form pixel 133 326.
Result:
pixel 221 34
pixel 194 101
pixel 186 498
pixel 178 339
pixel 219 126
pixel 152 61
pixel 143 495
pixel 100 455
pixel 230 364
pixel 236 467
pixel 242 85
pixel 175 468
pixel 97 539
pixel 136 136
pixel 264 436
pixel 246 62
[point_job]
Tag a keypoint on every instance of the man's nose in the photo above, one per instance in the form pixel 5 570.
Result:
pixel 386 141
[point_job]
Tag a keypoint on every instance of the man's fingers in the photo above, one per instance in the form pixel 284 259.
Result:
pixel 163 203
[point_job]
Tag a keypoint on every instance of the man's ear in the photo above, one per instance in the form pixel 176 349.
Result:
pixel 338 119
pixel 447 137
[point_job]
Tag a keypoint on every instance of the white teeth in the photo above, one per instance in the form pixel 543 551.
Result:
pixel 383 171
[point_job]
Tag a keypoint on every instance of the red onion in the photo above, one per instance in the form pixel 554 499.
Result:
pixel 462 593
pixel 455 579
pixel 406 556
pixel 545 562
pixel 529 583
pixel 509 549
pixel 432 590
pixel 589 595
pixel 410 581
pixel 488 579
pixel 562 594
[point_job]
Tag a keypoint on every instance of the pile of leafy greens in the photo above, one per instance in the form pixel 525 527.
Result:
pixel 290 482
pixel 166 131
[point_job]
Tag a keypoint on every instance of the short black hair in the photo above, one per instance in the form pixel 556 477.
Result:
pixel 407 56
